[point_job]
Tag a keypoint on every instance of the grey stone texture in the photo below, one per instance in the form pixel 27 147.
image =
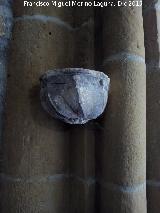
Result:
pixel 153 194
pixel 64 14
pixel 40 151
pixel 5 35
pixel 123 158
pixel 82 197
pixel 50 166
pixel 151 16
pixel 123 201
pixel 35 146
pixel 37 196
pixel 74 95
pixel 152 35
pixel 82 137
pixel 126 29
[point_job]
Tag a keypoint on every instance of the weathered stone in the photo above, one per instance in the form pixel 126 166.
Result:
pixel 5 34
pixel 47 192
pixel 40 155
pixel 123 29
pixel 122 198
pixel 123 139
pixel 74 95
pixel 64 14
pixel 83 167
pixel 82 196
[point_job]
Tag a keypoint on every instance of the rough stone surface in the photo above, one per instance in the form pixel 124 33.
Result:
pixel 47 196
pixel 64 13
pixel 123 29
pixel 5 35
pixel 74 95
pixel 123 145
pixel 40 151
pixel 122 201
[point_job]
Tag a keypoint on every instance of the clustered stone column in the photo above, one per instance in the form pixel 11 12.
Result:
pixel 123 179
pixel 36 147
pixel 151 15
pixel 50 166
pixel 82 140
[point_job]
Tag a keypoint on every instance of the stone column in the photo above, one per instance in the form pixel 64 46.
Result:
pixel 6 19
pixel 151 14
pixel 82 140
pixel 123 177
pixel 35 175
pixel 5 35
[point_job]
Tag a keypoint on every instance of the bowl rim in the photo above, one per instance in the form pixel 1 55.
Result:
pixel 74 71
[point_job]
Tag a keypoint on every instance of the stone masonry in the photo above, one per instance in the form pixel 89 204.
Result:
pixel 100 167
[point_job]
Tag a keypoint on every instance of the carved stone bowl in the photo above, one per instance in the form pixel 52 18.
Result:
pixel 74 95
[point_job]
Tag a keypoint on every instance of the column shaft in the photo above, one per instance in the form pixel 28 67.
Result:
pixel 5 35
pixel 35 176
pixel 124 146
pixel 82 158
pixel 151 15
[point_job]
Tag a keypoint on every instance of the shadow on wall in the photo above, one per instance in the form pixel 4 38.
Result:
pixel 150 22
pixel 152 52
pixel 99 132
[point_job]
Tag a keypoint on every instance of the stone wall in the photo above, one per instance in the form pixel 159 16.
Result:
pixel 36 147
pixel 50 166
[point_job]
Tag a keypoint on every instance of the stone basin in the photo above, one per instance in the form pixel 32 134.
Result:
pixel 74 95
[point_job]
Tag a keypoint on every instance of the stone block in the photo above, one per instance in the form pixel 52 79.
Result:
pixel 82 197
pixel 124 133
pixel 37 197
pixel 82 152
pixel 64 13
pixel 124 31
pixel 84 51
pixel 114 201
pixel 35 144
